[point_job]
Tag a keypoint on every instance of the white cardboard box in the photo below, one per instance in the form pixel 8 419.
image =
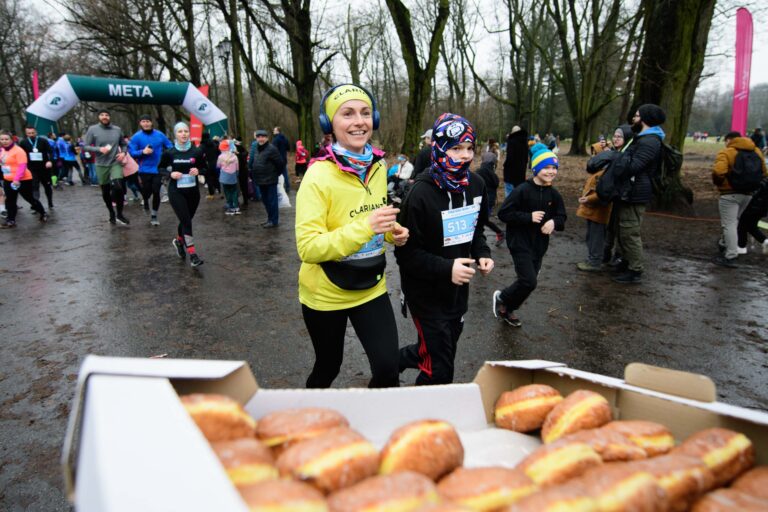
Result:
pixel 131 446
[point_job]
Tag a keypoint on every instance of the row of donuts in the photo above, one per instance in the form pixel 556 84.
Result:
pixel 316 447
pixel 583 447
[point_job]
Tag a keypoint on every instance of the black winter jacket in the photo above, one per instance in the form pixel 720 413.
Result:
pixel 523 235
pixel 422 161
pixel 516 162
pixel 634 169
pixel 266 164
pixel 425 265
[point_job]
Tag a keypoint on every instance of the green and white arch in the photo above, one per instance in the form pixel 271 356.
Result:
pixel 71 89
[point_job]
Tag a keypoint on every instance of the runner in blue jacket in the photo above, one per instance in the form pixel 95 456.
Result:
pixel 146 146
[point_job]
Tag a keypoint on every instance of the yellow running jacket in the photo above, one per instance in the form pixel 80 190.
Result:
pixel 332 207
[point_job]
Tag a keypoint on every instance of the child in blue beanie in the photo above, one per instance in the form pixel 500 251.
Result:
pixel 532 212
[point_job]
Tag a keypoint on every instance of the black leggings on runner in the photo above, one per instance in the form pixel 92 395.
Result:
pixel 42 177
pixel 11 198
pixel 184 202
pixel 374 324
pixel 150 187
pixel 113 193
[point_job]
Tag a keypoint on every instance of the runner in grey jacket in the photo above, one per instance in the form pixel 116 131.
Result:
pixel 106 141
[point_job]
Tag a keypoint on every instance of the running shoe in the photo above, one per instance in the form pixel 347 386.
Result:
pixel 4 213
pixel 179 247
pixel 237 211
pixel 268 225
pixel 44 217
pixel 229 211
pixel 112 219
pixel 153 221
pixel 194 260
pixel 512 320
pixel 122 220
pixel 9 224
pixel 164 199
pixel 499 309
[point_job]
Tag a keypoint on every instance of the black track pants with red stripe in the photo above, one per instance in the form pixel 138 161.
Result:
pixel 435 351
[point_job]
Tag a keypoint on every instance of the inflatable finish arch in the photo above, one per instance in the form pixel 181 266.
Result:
pixel 71 89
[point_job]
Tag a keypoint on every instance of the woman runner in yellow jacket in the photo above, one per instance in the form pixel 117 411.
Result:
pixel 342 222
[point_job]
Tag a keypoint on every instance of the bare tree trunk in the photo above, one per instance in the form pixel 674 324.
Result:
pixel 670 69
pixel 419 78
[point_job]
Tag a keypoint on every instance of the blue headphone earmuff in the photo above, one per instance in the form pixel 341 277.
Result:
pixel 325 122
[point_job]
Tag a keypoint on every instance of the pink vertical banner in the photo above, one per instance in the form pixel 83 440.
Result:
pixel 35 84
pixel 743 68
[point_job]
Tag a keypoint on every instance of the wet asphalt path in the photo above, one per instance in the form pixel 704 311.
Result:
pixel 79 286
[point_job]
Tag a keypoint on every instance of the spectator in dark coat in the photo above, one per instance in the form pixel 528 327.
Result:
pixel 423 159
pixel 516 162
pixel 266 166
pixel 758 137
pixel 633 172
pixel 283 145
pixel 211 149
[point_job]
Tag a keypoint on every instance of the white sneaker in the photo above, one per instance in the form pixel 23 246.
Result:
pixel 496 303
pixel 741 250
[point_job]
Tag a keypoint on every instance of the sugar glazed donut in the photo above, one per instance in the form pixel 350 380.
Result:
pixel 429 447
pixel 219 417
pixel 281 429
pixel 555 463
pixel 569 497
pixel 612 446
pixel 682 477
pixel 282 496
pixel 581 410
pixel 623 488
pixel 725 452
pixel 246 460
pixel 654 438
pixel 486 489
pixel 331 461
pixel 730 500
pixel 754 482
pixel 404 491
pixel 525 408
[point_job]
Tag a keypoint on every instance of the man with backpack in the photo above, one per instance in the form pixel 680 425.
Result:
pixel 737 173
pixel 633 173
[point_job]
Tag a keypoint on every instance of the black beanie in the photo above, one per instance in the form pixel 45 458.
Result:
pixel 145 117
pixel 651 114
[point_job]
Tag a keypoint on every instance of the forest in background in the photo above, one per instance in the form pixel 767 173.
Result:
pixel 575 68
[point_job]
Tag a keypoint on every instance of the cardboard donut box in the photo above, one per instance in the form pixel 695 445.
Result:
pixel 131 446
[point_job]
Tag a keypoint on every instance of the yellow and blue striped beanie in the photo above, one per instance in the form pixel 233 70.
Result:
pixel 542 159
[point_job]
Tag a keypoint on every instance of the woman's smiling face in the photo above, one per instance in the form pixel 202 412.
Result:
pixel 353 125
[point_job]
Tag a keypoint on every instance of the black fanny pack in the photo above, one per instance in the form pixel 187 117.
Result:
pixel 356 274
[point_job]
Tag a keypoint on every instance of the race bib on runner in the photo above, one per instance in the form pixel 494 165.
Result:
pixel 372 248
pixel 459 224
pixel 6 170
pixel 186 181
pixel 35 156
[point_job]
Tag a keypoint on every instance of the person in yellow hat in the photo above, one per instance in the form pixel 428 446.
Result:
pixel 342 222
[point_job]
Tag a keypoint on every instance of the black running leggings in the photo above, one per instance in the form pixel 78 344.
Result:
pixel 375 326
pixel 150 186
pixel 112 192
pixel 42 177
pixel 12 196
pixel 184 202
